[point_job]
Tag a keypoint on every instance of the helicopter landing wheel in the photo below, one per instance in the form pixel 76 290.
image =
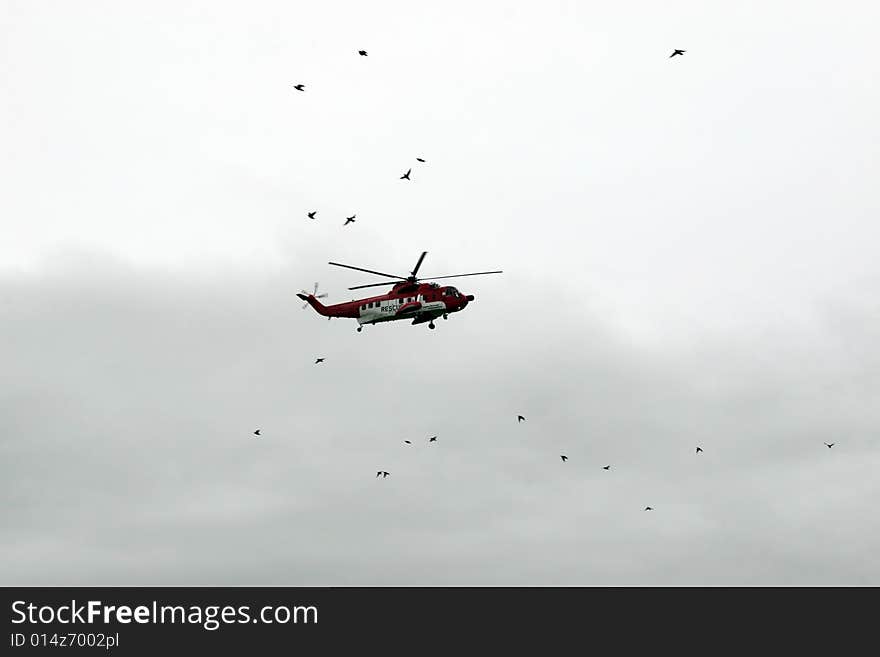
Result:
pixel 431 325
pixel 445 316
pixel 360 328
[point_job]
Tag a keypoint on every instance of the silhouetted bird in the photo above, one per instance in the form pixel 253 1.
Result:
pixel 349 220
pixel 420 159
pixel 383 473
pixel 519 418
pixel 312 214
pixel 407 442
pixel 699 449
pixel 362 53
pixel 829 446
pixel 432 439
pixel 607 467
pixel 564 458
pixel 319 360
pixel 299 87
pixel 406 175
pixel 257 432
pixel 649 508
pixel 677 52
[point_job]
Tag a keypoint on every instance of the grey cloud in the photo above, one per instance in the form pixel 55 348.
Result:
pixel 129 398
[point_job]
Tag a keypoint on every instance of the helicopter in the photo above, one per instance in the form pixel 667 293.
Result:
pixel 408 298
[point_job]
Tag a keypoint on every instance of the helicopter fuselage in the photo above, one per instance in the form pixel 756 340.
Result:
pixel 419 302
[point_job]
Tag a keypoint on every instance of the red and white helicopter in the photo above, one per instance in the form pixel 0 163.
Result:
pixel 408 299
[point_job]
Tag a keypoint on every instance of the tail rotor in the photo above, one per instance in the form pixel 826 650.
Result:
pixel 314 294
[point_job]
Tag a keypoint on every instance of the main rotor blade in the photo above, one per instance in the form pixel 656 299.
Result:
pixel 369 271
pixel 419 264
pixel 478 273
pixel 358 287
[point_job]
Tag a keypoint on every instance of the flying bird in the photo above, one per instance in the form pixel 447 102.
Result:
pixel 432 439
pixel 519 418
pixel 829 446
pixel 257 432
pixel 349 220
pixel 299 87
pixel 699 449
pixel 406 175
pixel 362 53
pixel 383 473
pixel 607 467
pixel 407 442
pixel 677 52
pixel 420 159
pixel 649 508
pixel 312 214
pixel 564 458
pixel 319 360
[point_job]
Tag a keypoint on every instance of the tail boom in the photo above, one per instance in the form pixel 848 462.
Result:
pixel 338 310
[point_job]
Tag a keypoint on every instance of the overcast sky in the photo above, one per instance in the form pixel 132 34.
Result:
pixel 689 249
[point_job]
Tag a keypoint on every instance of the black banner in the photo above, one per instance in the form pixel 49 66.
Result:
pixel 136 620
